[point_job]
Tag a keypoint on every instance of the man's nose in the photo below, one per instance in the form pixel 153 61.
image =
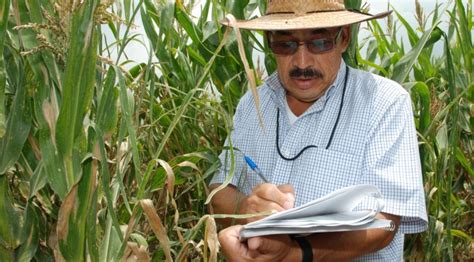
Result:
pixel 303 57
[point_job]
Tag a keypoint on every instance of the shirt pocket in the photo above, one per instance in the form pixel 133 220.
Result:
pixel 321 171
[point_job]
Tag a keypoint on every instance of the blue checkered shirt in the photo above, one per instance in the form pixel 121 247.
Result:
pixel 374 143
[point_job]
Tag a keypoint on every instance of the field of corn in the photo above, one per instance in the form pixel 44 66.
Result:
pixel 103 158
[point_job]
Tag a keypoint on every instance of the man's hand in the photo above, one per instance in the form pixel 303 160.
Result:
pixel 272 248
pixel 268 197
pixel 264 197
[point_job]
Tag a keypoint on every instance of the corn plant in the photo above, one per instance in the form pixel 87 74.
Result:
pixel 441 87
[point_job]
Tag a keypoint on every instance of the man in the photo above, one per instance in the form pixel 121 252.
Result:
pixel 326 126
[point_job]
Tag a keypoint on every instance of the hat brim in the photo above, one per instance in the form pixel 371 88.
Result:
pixel 328 19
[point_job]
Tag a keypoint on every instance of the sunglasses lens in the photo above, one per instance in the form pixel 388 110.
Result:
pixel 283 47
pixel 315 46
pixel 320 45
pixel 289 47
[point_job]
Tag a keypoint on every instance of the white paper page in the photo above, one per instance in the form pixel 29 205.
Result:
pixel 342 200
pixel 374 224
pixel 336 219
pixel 333 212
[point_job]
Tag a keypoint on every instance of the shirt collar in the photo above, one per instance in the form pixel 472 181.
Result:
pixel 279 91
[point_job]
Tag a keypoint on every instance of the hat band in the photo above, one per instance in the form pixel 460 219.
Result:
pixel 302 7
pixel 311 12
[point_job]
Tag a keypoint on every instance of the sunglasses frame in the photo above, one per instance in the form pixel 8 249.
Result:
pixel 335 41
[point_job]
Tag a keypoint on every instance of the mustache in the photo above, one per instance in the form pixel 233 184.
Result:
pixel 306 73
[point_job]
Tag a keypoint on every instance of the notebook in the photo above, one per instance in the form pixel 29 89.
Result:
pixel 331 213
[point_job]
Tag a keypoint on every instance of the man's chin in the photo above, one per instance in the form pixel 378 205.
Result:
pixel 305 99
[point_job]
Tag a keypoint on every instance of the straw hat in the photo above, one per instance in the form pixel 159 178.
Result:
pixel 304 14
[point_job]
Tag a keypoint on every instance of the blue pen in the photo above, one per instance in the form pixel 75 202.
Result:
pixel 255 168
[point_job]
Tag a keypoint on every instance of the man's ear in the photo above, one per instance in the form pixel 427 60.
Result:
pixel 346 37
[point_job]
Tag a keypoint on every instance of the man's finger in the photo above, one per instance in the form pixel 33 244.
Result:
pixel 230 243
pixel 271 193
pixel 254 245
pixel 290 192
pixel 287 188
pixel 270 246
pixel 256 204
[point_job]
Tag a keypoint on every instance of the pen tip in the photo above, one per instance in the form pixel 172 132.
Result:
pixel 247 159
pixel 250 162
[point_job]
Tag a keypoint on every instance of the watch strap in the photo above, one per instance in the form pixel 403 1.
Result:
pixel 306 248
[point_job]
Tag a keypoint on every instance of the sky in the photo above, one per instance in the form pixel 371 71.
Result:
pixel 405 7
pixel 138 52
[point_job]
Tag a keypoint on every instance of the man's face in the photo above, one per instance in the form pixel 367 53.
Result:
pixel 304 74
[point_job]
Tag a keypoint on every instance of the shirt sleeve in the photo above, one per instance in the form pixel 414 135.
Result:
pixel 392 163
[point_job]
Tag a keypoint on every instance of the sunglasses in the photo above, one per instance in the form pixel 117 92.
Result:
pixel 315 46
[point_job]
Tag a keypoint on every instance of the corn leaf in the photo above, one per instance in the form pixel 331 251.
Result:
pixel 107 114
pixel 465 33
pixel 30 236
pixel 204 14
pixel 5 254
pixel 113 235
pixel 110 244
pixel 127 105
pixel 464 162
pixel 18 128
pixel 422 91
pixel 461 234
pixel 412 36
pixel 4 10
pixel 26 12
pixel 211 240
pixel 74 211
pixel 78 85
pixel 167 15
pixel 237 8
pixel 91 232
pixel 46 61
pixel 382 41
pixel 81 174
pixel 351 56
pixel 157 226
pixel 54 169
pixel 187 24
pixel 38 180
pixel 403 67
pixel 10 221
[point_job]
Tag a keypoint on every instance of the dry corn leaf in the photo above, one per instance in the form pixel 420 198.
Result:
pixel 130 224
pixel 50 116
pixel 134 253
pixel 121 157
pixel 54 245
pixel 188 164
pixel 170 181
pixel 210 236
pixel 170 176
pixel 157 227
pixel 68 206
pixel 250 73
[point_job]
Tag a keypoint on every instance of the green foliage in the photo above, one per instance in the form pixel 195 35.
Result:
pixel 4 11
pixel 87 142
pixel 439 84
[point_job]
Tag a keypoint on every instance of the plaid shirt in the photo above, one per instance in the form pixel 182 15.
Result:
pixel 374 143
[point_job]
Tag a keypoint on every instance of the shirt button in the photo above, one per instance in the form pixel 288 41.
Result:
pixel 286 153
